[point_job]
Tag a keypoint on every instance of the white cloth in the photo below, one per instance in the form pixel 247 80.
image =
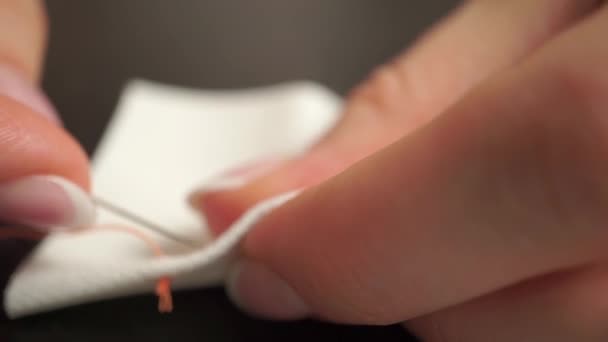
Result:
pixel 162 142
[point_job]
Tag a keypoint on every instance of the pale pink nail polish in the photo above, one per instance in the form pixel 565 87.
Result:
pixel 45 202
pixel 14 85
pixel 234 179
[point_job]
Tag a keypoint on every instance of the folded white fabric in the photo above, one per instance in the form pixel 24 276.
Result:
pixel 163 142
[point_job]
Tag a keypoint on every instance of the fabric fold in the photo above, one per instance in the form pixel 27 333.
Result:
pixel 162 142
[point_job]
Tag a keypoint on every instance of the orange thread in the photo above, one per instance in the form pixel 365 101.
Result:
pixel 163 285
pixel 154 247
pixel 163 291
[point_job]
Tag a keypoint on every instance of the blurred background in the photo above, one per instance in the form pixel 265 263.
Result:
pixel 96 46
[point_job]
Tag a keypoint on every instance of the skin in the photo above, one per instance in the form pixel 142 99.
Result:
pixel 29 143
pixel 462 195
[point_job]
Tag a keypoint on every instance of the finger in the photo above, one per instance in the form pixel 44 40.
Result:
pixel 23 32
pixel 477 40
pixel 43 173
pixel 508 184
pixel 568 306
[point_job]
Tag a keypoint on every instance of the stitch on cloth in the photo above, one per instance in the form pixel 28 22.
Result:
pixel 163 285
pixel 212 260
pixel 134 170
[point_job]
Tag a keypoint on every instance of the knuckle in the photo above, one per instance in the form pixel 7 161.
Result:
pixel 389 89
pixel 380 88
pixel 377 99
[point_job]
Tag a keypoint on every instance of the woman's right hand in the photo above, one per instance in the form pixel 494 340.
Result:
pixel 463 195
pixel 44 176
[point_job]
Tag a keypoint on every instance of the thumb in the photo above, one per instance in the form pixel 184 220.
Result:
pixel 44 175
pixel 401 96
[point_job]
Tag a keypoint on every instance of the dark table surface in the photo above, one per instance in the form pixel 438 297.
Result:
pixel 95 46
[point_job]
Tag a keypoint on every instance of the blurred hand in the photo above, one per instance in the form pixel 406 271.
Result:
pixel 464 193
pixel 43 170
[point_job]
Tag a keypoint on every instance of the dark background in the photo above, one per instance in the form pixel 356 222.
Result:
pixel 95 46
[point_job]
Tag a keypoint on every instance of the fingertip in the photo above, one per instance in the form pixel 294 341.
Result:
pixel 222 201
pixel 46 202
pixel 262 293
pixel 218 210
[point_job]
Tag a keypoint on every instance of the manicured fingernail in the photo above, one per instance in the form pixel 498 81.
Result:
pixel 15 86
pixel 46 202
pixel 237 177
pixel 233 179
pixel 262 293
pixel 208 199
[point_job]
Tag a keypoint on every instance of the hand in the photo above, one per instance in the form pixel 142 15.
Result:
pixel 43 170
pixel 464 193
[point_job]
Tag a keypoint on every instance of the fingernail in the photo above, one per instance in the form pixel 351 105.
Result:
pixel 233 179
pixel 259 292
pixel 15 86
pixel 208 199
pixel 46 202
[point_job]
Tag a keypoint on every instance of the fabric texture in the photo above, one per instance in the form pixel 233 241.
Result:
pixel 162 142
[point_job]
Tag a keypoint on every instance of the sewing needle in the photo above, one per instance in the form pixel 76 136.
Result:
pixel 141 221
